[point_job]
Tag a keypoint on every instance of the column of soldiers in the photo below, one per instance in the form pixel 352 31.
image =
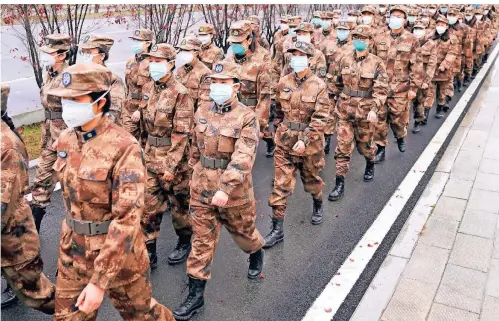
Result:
pixel 181 132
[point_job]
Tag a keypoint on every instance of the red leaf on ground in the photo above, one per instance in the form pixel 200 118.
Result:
pixel 262 276
pixel 376 243
pixel 328 310
pixel 351 260
pixel 220 301
pixel 369 245
pixel 337 284
pixel 338 273
pixel 261 215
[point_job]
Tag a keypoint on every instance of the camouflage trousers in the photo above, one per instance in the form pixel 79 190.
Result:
pixel 158 191
pixel 424 100
pixel 45 178
pixel 132 300
pixel 285 167
pixel 30 285
pixel 330 128
pixel 207 222
pixel 442 89
pixel 477 61
pixel 397 117
pixel 350 132
pixel 127 122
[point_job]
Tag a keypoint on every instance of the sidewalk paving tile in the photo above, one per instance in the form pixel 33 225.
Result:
pixel 490 309
pixel 484 201
pixel 458 188
pixel 427 264
pixel 466 165
pixel 495 254
pixel 488 182
pixel 493 281
pixel 471 252
pixel 441 312
pixel 462 288
pixel 450 207
pixel 439 232
pixel 479 223
pixel 475 140
pixel 411 301
pixel 490 166
pixel 492 148
pixel 447 161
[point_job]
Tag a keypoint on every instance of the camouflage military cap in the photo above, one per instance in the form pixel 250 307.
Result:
pixel 425 14
pixel 295 20
pixel 370 9
pixel 413 12
pixel 162 50
pixel 355 13
pixel 305 47
pixel 443 19
pixel 329 15
pixel 284 19
pixel 317 14
pixel 225 69
pixel 305 26
pixel 143 35
pixel 343 24
pixel 190 43
pixel 97 41
pixel 82 79
pixel 363 31
pixel 453 10
pixel 254 19
pixel 399 8
pixel 206 29
pixel 56 42
pixel 419 24
pixel 5 96
pixel 337 12
pixel 239 31
pixel 469 10
pixel 432 6
pixel 479 11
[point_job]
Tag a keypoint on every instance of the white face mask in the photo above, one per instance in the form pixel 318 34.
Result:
pixel 411 19
pixel 419 33
pixel 382 10
pixel 351 19
pixel 479 17
pixel 77 114
pixel 284 26
pixel 47 60
pixel 441 29
pixel 183 58
pixel 86 57
pixel 432 11
pixel 298 63
pixel 367 19
pixel 220 93
pixel 304 38
pixel 452 20
pixel 485 12
pixel 205 39
pixel 425 20
pixel 468 17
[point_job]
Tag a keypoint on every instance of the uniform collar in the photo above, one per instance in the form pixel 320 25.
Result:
pixel 344 42
pixel 54 73
pixel 163 85
pixel 360 58
pixel 225 108
pixel 188 68
pixel 302 80
pixel 241 60
pixel 140 58
pixel 91 134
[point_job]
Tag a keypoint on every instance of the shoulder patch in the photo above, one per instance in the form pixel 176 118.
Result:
pixel 286 90
pixel 145 97
pixel 62 154
pixel 66 79
pixel 322 71
pixel 202 120
pixel 219 68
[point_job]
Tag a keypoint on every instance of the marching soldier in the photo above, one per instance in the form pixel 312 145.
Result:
pixel 432 9
pixel 168 112
pixel 96 49
pixel 328 30
pixel 412 15
pixel 223 154
pixel 21 262
pixel 364 84
pixel 282 32
pixel 102 174
pixel 210 53
pixel 352 19
pixel 317 22
pixel 54 58
pixel 257 32
pixel 302 111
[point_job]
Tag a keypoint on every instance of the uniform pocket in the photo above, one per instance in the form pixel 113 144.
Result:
pixel 382 51
pixel 366 81
pixel 163 118
pixel 227 139
pixel 285 100
pixel 94 186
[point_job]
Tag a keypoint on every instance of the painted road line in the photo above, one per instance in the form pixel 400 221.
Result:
pixel 340 285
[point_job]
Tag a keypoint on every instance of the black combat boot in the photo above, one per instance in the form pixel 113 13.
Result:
pixel 485 58
pixel 459 85
pixel 417 127
pixel 380 154
pixel 153 257
pixel 445 107
pixel 270 147
pixel 256 264
pixel 317 212
pixel 474 73
pixel 401 144
pixel 338 190
pixel 38 214
pixel 8 297
pixel 276 235
pixel 369 172
pixel 439 112
pixel 467 80
pixel 328 143
pixel 194 301
pixel 426 115
pixel 181 251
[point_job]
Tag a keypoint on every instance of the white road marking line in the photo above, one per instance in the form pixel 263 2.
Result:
pixel 340 285
pixel 29 197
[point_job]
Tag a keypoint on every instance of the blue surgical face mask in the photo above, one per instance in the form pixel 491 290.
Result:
pixel 359 45
pixel 452 20
pixel 325 24
pixel 444 10
pixel 220 93
pixel 316 21
pixel 298 63
pixel 411 19
pixel 342 34
pixel 157 70
pixel 137 47
pixel 396 23
pixel 238 49
pixel 292 32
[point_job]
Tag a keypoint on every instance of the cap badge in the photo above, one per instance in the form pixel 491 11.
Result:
pixel 86 39
pixel 183 42
pixel 235 33
pixel 201 29
pixel 298 44
pixel 219 68
pixel 154 48
pixel 66 79
pixel 137 32
pixel 360 29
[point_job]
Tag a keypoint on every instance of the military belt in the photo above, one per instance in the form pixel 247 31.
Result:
pixel 358 93
pixel 214 163
pixel 88 228
pixel 136 95
pixel 294 126
pixel 159 141
pixel 249 102
pixel 53 115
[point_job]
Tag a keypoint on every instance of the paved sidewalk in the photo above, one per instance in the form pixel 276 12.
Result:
pixel 452 273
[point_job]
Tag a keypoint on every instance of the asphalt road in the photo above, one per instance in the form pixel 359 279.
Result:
pixel 296 270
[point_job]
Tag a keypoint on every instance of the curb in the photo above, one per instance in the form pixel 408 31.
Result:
pixel 333 296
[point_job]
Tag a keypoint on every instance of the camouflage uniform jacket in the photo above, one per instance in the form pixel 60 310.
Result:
pixel 118 97
pixel 364 74
pixel 136 76
pixel 20 241
pixel 429 55
pixel 103 178
pixel 51 129
pixel 460 31
pixel 193 77
pixel 329 35
pixel 302 101
pixel 230 135
pixel 447 51
pixel 210 54
pixel 472 34
pixel 334 51
pixel 404 66
pixel 317 64
pixel 255 82
pixel 168 111
pixel 317 36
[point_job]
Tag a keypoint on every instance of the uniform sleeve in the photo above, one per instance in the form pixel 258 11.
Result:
pixel 321 67
pixel 12 164
pixel 243 158
pixel 451 55
pixel 416 67
pixel 117 100
pixel 380 86
pixel 182 125
pixel 319 117
pixel 337 80
pixel 431 67
pixel 278 113
pixel 468 51
pixel 194 153
pixel 129 178
pixel 263 92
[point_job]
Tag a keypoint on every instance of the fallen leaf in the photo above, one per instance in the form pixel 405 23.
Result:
pixel 337 284
pixel 338 273
pixel 328 310
pixel 262 276
pixel 369 245
pixel 351 260
pixel 220 301
pixel 376 243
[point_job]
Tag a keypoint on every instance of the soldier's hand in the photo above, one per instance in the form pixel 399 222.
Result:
pixel 411 95
pixel 167 176
pixel 136 116
pixel 441 68
pixel 261 135
pixel 54 144
pixel 90 298
pixel 220 199
pixel 299 147
pixel 372 117
pixel 424 86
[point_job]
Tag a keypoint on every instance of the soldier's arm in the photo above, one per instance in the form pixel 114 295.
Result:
pixel 129 179
pixel 12 164
pixel 451 55
pixel 117 99
pixel 416 67
pixel 243 158
pixel 263 92
pixel 319 118
pixel 182 125
pixel 380 86
pixel 278 113
pixel 194 153
pixel 431 67
pixel 321 66
pixel 337 80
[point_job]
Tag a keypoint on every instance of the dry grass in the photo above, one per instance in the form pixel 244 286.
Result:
pixel 31 136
